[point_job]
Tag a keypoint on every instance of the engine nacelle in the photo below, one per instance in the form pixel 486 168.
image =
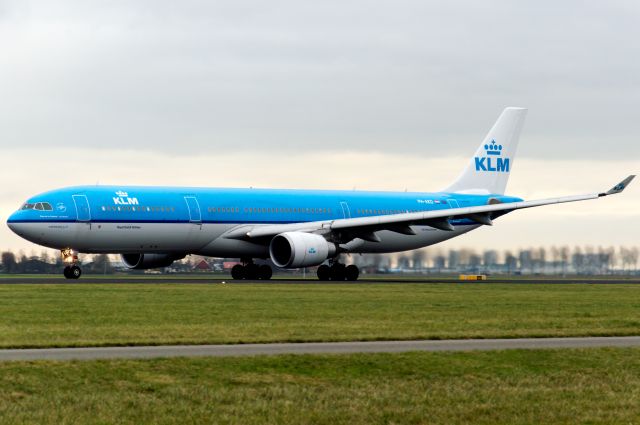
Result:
pixel 291 250
pixel 148 261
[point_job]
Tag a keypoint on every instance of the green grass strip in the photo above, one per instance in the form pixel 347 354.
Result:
pixel 139 314
pixel 510 387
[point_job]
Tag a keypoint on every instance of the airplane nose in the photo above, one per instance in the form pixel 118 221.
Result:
pixel 12 223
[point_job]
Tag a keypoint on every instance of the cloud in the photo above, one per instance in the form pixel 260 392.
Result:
pixel 297 76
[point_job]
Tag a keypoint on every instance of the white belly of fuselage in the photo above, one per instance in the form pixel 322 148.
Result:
pixel 203 239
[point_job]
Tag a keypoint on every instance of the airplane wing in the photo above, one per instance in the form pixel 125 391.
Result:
pixel 365 227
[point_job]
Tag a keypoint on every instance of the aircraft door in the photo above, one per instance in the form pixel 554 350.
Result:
pixel 194 209
pixel 453 203
pixel 82 208
pixel 345 209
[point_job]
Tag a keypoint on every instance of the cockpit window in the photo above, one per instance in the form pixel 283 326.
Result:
pixel 39 206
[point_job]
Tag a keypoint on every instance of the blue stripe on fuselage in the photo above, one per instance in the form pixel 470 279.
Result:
pixel 115 204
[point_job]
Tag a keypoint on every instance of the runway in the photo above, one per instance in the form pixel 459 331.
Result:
pixel 148 352
pixel 380 279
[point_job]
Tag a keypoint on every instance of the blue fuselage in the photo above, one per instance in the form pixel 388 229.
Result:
pixel 146 219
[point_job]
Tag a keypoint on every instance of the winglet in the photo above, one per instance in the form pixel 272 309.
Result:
pixel 619 187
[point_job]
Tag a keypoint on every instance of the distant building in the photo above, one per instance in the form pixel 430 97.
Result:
pixel 202 266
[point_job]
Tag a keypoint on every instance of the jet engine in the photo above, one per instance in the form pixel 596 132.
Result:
pixel 291 250
pixel 148 261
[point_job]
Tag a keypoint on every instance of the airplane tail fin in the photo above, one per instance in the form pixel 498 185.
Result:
pixel 489 168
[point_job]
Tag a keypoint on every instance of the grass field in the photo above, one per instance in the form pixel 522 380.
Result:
pixel 81 315
pixel 514 387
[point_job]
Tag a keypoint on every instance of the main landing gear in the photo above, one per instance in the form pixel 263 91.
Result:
pixel 70 258
pixel 337 271
pixel 72 272
pixel 250 271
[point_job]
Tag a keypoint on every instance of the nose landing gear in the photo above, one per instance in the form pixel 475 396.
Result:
pixel 70 258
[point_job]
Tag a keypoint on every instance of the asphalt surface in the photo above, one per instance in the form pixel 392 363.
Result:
pixel 147 352
pixel 217 279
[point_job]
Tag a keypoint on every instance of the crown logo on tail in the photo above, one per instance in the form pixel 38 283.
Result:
pixel 122 194
pixel 493 148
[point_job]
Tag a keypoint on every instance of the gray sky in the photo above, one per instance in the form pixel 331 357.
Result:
pixel 406 88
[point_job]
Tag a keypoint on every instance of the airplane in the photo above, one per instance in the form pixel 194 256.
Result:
pixel 151 227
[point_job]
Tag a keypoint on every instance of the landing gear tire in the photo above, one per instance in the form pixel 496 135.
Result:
pixel 337 271
pixel 324 272
pixel 72 272
pixel 238 272
pixel 251 271
pixel 76 272
pixel 265 272
pixel 351 272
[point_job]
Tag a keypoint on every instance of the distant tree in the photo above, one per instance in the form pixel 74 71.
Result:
pixel 44 256
pixel 454 259
pixel 591 261
pixel 626 257
pixel 376 260
pixel 403 262
pixel 418 258
pixel 633 257
pixel 526 260
pixel 510 261
pixel 101 264
pixel 605 259
pixel 611 251
pixel 630 258
pixel 490 258
pixel 564 257
pixel 555 258
pixel 9 262
pixel 21 262
pixel 475 261
pixel 464 257
pixel 577 260
pixel 439 262
pixel 542 259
